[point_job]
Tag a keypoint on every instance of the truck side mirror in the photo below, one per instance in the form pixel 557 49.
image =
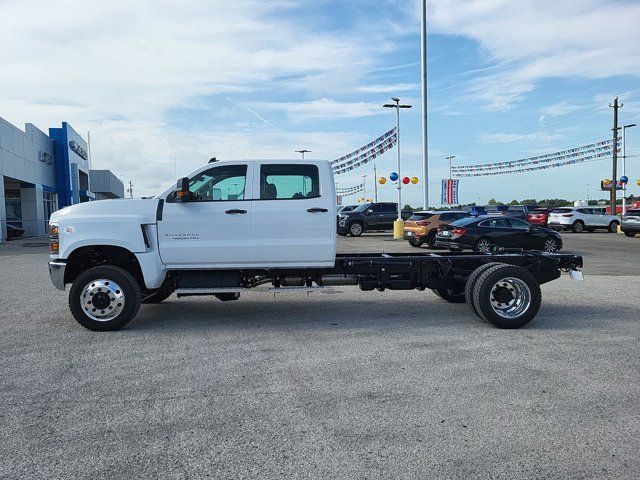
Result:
pixel 182 193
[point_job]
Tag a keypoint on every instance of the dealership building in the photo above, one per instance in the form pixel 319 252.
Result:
pixel 40 173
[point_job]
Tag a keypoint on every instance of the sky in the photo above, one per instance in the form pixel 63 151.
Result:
pixel 164 86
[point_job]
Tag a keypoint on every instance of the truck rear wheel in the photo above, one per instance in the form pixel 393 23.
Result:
pixel 472 280
pixel 104 298
pixel 507 296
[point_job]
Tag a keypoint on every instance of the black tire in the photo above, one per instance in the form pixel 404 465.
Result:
pixel 479 247
pixel 455 295
pixel 471 283
pixel 578 226
pixel 551 245
pixel 431 240
pixel 128 290
pixel 227 297
pixel 613 227
pixel 489 284
pixel 415 242
pixel 629 234
pixel 356 229
pixel 157 296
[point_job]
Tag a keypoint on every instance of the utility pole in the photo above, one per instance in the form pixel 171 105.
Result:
pixel 130 189
pixel 375 182
pixel 614 175
pixel 425 145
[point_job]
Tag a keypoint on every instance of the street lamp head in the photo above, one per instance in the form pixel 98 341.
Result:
pixel 630 125
pixel 389 105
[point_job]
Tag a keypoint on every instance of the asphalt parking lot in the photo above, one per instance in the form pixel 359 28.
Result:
pixel 350 385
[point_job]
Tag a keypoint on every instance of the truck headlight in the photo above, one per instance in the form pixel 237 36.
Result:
pixel 54 239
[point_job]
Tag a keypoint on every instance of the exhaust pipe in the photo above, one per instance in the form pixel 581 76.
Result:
pixel 337 280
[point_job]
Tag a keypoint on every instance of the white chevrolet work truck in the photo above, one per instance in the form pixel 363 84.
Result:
pixel 270 224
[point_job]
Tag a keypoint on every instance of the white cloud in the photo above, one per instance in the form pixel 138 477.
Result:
pixel 530 40
pixel 117 68
pixel 391 88
pixel 540 137
pixel 323 108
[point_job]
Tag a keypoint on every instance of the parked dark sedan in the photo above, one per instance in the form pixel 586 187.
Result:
pixel 480 233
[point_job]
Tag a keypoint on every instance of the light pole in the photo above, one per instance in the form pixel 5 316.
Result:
pixel 397 226
pixel 303 152
pixel 423 72
pixel 450 157
pixel 364 187
pixel 624 161
pixel 375 183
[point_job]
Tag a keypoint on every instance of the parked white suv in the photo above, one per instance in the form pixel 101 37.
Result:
pixel 580 219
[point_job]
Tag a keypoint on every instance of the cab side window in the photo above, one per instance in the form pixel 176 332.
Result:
pixel 218 184
pixel 289 182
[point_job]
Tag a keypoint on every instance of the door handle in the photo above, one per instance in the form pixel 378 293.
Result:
pixel 235 211
pixel 317 210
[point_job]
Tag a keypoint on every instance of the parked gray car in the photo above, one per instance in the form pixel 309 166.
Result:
pixel 631 223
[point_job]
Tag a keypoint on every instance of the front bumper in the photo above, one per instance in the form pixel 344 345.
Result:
pixel 630 227
pixel 56 272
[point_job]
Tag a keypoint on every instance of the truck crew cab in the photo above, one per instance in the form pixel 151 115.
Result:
pixel 237 225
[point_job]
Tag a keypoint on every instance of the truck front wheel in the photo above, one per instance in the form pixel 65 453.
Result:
pixel 104 298
pixel 507 296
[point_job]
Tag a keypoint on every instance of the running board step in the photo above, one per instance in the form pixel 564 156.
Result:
pixel 207 290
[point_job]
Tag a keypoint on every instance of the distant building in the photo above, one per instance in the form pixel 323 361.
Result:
pixel 105 185
pixel 41 173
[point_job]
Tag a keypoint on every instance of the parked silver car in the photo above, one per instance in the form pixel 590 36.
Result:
pixel 631 222
pixel 580 219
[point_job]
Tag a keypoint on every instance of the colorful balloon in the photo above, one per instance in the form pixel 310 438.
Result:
pixel 406 180
pixel 382 180
pixel 606 182
pixel 638 183
pixel 393 176
pixel 414 180
pixel 624 179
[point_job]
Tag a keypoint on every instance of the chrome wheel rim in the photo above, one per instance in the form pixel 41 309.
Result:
pixel 510 297
pixel 102 300
pixel 550 245
pixel 484 246
pixel 578 227
pixel 356 229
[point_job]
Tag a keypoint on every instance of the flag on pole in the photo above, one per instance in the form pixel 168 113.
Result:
pixel 449 191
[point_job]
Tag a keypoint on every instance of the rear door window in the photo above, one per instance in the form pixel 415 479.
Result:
pixel 289 182
pixel 494 223
pixel 519 224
